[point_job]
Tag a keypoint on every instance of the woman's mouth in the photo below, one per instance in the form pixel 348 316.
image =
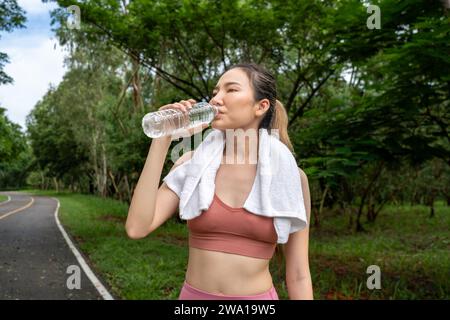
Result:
pixel 219 113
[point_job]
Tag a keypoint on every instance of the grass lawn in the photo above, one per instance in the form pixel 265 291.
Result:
pixel 411 249
pixel 3 198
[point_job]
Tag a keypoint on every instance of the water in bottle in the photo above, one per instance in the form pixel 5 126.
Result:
pixel 173 121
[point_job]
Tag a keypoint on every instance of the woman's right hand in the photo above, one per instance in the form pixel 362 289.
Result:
pixel 184 106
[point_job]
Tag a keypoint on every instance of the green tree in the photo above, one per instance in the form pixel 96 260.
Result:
pixel 15 153
pixel 11 17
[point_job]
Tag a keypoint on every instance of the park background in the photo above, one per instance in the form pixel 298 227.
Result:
pixel 368 119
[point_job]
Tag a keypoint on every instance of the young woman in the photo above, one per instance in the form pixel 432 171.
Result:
pixel 246 96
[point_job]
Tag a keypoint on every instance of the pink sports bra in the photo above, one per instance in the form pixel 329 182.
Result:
pixel 233 230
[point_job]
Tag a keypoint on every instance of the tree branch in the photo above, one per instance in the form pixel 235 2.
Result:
pixel 311 95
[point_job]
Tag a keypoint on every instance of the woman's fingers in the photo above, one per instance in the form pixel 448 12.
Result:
pixel 183 105
pixel 180 106
pixel 187 103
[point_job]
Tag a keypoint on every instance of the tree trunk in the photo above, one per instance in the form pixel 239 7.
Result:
pixel 42 179
pixel 371 210
pixel 318 213
pixel 128 189
pixel 91 187
pixel 366 193
pixel 359 227
pixel 104 172
pixel 116 188
pixel 136 83
pixel 157 81
pixel 96 170
pixel 55 181
pixel 431 203
pixel 348 209
pixel 93 150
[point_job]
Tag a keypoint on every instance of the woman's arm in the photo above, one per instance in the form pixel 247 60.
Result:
pixel 141 213
pixel 298 277
pixel 142 206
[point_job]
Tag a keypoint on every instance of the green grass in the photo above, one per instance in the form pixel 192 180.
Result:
pixel 411 249
pixel 3 198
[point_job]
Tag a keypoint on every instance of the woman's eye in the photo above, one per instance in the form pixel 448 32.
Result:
pixel 229 90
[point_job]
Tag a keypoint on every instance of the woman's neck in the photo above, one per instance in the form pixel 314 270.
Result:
pixel 241 149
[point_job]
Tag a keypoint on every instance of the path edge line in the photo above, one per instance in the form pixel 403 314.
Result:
pixel 5 215
pixel 87 270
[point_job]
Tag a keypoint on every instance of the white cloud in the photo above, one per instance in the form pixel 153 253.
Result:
pixel 35 7
pixel 35 61
pixel 33 68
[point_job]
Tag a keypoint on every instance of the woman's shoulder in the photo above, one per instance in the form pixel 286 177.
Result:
pixel 185 157
pixel 303 175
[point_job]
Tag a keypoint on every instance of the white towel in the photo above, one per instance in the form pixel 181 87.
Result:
pixel 276 192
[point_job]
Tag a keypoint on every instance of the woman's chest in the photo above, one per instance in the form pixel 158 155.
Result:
pixel 233 183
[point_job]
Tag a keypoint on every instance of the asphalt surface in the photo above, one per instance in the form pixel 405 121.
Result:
pixel 34 256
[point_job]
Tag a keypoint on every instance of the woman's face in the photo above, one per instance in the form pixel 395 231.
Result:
pixel 237 108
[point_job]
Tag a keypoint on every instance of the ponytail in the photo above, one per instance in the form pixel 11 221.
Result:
pixel 280 122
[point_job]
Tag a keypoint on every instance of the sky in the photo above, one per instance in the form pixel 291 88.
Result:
pixel 35 61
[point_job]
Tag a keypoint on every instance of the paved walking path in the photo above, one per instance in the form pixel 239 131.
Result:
pixel 35 256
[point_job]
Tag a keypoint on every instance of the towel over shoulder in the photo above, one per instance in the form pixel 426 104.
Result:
pixel 276 192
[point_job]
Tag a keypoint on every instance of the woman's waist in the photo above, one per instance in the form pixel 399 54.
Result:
pixel 226 273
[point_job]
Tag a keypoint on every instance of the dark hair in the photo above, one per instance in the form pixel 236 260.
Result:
pixel 265 87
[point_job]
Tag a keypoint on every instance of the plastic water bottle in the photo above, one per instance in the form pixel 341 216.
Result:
pixel 173 121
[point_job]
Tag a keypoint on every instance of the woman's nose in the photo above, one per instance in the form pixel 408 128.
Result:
pixel 215 101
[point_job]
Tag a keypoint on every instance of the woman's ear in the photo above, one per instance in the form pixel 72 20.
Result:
pixel 263 106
